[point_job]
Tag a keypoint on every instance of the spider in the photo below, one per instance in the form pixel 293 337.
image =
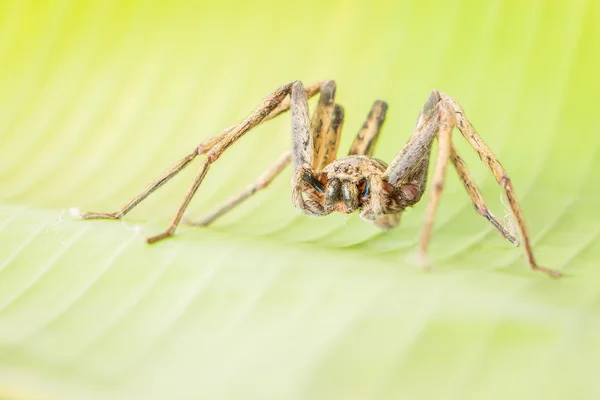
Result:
pixel 322 184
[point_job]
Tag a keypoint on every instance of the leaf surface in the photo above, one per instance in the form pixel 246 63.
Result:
pixel 98 98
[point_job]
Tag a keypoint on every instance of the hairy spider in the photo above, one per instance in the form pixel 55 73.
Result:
pixel 322 184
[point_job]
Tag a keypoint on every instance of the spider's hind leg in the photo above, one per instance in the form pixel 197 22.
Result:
pixel 486 155
pixel 365 141
pixel 364 145
pixel 325 127
pixel 476 196
pixel 262 182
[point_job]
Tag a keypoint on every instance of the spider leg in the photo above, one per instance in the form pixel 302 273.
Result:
pixel 321 122
pixel 476 196
pixel 364 145
pixel 305 177
pixel 438 117
pixel 410 164
pixel 365 141
pixel 444 135
pixel 263 181
pixel 270 103
pixel 164 178
pixel 331 140
pixel 281 108
pixel 486 155
pixel 408 170
pixel 203 148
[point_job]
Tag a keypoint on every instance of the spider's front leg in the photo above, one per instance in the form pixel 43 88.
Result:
pixel 407 172
pixel 314 145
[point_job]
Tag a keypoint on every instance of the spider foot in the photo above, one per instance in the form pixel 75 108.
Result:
pixel 75 213
pixel 199 222
pixel 161 236
pixel 552 273
pixel 420 260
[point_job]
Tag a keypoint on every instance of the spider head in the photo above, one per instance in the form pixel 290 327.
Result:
pixel 343 186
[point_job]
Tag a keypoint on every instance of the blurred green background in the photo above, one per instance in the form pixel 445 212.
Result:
pixel 98 97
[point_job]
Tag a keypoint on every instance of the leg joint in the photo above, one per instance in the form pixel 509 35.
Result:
pixel 211 157
pixel 481 209
pixel 433 99
pixel 260 185
pixel 504 181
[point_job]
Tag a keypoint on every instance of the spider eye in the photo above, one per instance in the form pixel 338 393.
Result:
pixel 314 182
pixel 364 188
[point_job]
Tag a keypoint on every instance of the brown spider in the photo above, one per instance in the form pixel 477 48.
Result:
pixel 321 184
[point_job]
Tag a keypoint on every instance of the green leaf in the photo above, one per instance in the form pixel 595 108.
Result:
pixel 99 97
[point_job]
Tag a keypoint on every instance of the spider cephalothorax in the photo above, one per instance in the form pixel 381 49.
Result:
pixel 344 185
pixel 355 183
pixel 322 184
